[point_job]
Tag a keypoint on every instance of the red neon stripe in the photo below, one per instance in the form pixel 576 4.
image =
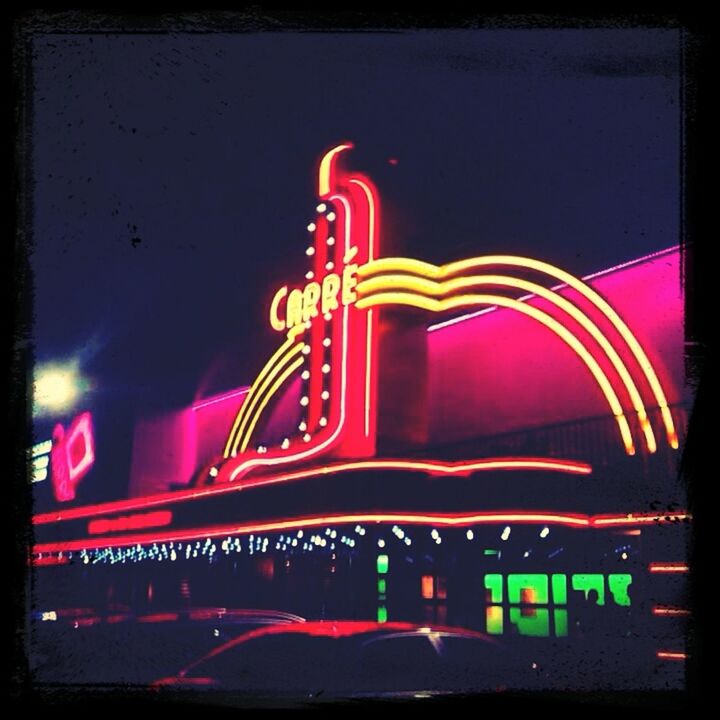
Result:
pixel 668 655
pixel 159 518
pixel 663 610
pixel 640 518
pixel 668 567
pixel 431 466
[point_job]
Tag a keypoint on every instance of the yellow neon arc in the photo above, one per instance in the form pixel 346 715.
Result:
pixel 435 272
pixel 252 406
pixel 420 301
pixel 429 287
pixel 251 427
pixel 253 391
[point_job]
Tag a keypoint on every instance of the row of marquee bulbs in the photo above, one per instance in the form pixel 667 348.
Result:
pixel 305 375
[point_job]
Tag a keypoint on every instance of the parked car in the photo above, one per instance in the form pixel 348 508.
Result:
pixel 354 658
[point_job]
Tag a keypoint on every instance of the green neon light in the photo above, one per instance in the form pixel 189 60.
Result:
pixel 584 582
pixel 535 624
pixel 536 582
pixel 381 586
pixel 618 585
pixel 559 588
pixel 494 619
pixel 488 551
pixel 494 583
pixel 382 564
pixel 382 614
pixel 560 620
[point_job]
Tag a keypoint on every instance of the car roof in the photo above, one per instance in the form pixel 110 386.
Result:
pixel 338 629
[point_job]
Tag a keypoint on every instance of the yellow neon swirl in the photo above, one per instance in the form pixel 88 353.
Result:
pixel 267 399
pixel 251 407
pixel 414 300
pixel 435 272
pixel 251 393
pixel 429 287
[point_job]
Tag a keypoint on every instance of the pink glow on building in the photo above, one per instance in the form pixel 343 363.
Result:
pixel 499 371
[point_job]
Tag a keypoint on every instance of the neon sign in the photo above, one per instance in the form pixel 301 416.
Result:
pixel 525 592
pixel 330 324
pixel 72 456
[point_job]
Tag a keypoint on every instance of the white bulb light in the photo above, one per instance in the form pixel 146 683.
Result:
pixel 310 251
pixel 324 394
pixel 323 421
pixel 326 342
pixel 326 368
pixel 311 227
pixel 330 216
pixel 304 400
pixel 331 240
pixel 321 208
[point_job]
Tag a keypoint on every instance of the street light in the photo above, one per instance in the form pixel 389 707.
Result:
pixel 57 387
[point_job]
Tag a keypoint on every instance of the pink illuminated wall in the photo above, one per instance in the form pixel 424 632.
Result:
pixel 501 371
pixel 171 448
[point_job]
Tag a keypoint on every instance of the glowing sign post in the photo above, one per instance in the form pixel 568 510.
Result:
pixel 330 321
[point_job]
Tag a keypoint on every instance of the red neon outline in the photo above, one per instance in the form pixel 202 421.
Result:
pixel 435 467
pixel 372 228
pixel 668 567
pixel 671 655
pixel 666 610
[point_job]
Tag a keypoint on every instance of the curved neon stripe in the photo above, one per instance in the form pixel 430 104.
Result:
pixel 117 506
pixel 266 400
pixel 260 396
pixel 413 300
pixel 326 167
pixel 435 272
pixel 429 287
pixel 368 339
pixel 253 389
pixel 429 467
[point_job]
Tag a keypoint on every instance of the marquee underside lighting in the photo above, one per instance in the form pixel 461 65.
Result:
pixel 574 520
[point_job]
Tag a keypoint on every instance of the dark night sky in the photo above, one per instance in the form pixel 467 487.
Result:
pixel 564 145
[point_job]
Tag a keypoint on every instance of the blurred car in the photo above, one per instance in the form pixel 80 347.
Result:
pixel 355 659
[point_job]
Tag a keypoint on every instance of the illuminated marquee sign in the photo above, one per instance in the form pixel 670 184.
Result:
pixel 330 325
